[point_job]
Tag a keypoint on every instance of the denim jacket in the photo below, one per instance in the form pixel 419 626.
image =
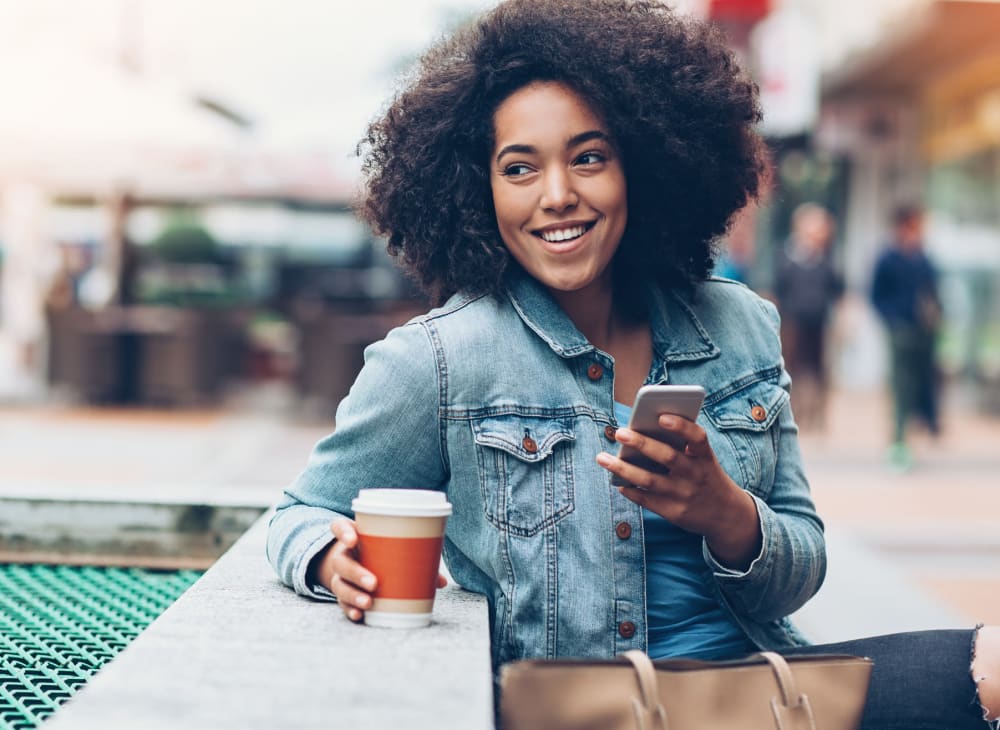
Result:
pixel 453 401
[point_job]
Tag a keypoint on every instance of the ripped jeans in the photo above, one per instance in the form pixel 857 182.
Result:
pixel 920 680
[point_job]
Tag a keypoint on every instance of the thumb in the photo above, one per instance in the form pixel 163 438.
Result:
pixel 441 581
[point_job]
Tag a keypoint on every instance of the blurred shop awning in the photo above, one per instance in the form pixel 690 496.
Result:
pixel 941 34
pixel 86 127
pixel 79 126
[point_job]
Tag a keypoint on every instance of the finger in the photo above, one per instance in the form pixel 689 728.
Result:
pixel 634 475
pixel 349 595
pixel 639 496
pixel 689 432
pixel 354 614
pixel 350 570
pixel 658 451
pixel 343 530
pixel 441 581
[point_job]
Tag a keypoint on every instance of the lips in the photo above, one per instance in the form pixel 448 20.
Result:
pixel 564 232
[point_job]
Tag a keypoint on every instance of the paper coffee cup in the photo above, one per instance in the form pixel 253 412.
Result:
pixel 400 532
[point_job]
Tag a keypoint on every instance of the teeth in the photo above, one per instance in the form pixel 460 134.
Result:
pixel 563 234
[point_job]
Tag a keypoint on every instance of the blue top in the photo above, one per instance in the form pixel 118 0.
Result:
pixel 683 618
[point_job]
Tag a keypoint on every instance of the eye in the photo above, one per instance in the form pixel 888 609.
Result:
pixel 593 157
pixel 516 169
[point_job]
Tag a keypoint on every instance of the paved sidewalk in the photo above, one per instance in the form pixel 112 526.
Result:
pixel 907 551
pixel 244 452
pixel 919 549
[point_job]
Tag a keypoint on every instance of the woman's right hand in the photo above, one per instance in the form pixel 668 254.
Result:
pixel 340 571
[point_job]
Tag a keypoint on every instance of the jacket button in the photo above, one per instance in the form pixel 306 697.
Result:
pixel 609 432
pixel 626 629
pixel 623 530
pixel 595 371
pixel 758 413
pixel 529 445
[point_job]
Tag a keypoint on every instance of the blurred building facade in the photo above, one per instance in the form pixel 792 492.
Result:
pixel 917 117
pixel 869 105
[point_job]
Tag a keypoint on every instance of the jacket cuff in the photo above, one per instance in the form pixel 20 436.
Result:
pixel 756 565
pixel 300 576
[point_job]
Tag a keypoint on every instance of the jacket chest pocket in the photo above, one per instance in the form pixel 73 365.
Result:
pixel 747 421
pixel 525 471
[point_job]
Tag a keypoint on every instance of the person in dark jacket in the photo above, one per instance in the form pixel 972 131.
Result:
pixel 905 293
pixel 807 285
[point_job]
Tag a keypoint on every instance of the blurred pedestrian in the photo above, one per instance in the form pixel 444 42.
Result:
pixel 807 284
pixel 904 291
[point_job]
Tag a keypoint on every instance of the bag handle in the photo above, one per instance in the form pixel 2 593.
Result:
pixel 793 712
pixel 791 708
pixel 649 713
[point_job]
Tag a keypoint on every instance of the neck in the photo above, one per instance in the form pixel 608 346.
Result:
pixel 592 311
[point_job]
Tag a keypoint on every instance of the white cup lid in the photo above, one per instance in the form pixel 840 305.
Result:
pixel 403 502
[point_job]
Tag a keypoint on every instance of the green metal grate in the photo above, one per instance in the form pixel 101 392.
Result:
pixel 60 624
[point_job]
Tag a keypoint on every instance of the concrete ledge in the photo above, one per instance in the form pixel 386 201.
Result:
pixel 240 650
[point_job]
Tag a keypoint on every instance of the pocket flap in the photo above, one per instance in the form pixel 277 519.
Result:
pixel 530 439
pixel 752 408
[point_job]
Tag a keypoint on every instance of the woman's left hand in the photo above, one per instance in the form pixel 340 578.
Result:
pixel 695 493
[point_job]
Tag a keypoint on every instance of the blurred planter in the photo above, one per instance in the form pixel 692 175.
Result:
pixel 142 354
pixel 332 345
pixel 190 362
pixel 272 348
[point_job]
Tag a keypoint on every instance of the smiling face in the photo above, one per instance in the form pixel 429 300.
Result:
pixel 558 187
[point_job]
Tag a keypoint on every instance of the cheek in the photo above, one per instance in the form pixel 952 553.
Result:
pixel 501 204
pixel 611 196
pixel 497 198
pixel 511 209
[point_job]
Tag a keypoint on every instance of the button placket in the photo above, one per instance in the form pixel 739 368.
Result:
pixel 629 594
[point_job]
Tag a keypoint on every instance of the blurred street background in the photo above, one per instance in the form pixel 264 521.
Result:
pixel 185 294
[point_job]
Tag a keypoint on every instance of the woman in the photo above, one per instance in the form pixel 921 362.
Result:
pixel 555 175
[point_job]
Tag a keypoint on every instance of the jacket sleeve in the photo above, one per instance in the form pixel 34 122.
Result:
pixel 387 435
pixel 791 565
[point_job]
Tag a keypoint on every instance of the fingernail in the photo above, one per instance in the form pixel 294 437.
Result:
pixel 605 459
pixel 363 601
pixel 368 581
pixel 625 434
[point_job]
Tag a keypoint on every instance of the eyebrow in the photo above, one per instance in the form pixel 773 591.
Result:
pixel 527 149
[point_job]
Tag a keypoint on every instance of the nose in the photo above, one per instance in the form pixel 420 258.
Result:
pixel 558 193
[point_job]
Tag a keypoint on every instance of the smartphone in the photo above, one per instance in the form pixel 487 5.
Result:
pixel 651 402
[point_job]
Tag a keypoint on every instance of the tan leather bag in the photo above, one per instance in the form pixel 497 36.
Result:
pixel 762 692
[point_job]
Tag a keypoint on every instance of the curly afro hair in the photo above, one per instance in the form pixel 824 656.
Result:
pixel 680 110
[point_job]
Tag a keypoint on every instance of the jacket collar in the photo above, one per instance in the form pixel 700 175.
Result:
pixel 678 334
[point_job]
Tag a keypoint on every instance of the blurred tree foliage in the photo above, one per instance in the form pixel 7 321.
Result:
pixel 185 241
